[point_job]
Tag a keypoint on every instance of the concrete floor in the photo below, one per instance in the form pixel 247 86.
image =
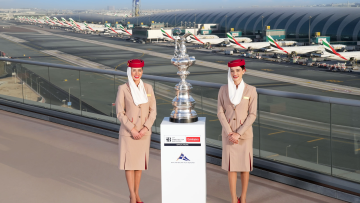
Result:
pixel 46 162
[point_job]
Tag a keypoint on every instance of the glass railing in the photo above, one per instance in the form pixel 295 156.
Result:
pixel 317 136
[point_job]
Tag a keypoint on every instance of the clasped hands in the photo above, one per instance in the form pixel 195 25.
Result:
pixel 234 137
pixel 139 134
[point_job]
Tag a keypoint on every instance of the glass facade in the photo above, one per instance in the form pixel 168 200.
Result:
pixel 250 20
pixel 347 32
pixel 317 136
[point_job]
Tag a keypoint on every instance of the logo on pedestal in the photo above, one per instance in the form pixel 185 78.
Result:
pixel 183 157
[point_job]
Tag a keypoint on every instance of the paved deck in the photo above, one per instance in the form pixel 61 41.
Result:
pixel 46 162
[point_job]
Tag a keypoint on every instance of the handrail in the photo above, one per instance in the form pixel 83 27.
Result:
pixel 292 95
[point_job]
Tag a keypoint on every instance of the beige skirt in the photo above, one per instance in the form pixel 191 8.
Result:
pixel 237 157
pixel 134 154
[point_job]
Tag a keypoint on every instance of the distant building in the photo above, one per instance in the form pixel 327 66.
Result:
pixel 341 24
pixel 111 8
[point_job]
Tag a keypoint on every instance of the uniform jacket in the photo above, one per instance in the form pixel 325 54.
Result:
pixel 130 115
pixel 237 118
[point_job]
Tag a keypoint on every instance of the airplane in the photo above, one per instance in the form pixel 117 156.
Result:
pixel 246 46
pixel 303 50
pixel 126 32
pixel 77 26
pixel 197 40
pixel 96 29
pixel 65 21
pixel 113 30
pixel 51 21
pixel 58 21
pixel 166 35
pixel 332 54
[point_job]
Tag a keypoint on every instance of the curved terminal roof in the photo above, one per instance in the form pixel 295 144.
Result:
pixel 341 24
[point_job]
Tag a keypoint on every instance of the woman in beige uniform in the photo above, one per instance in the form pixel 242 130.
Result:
pixel 136 110
pixel 237 106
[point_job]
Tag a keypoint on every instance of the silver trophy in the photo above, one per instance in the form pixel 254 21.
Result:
pixel 183 103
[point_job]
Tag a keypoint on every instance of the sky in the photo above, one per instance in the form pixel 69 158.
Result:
pixel 156 4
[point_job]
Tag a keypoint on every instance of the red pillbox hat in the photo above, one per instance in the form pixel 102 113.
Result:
pixel 237 62
pixel 136 63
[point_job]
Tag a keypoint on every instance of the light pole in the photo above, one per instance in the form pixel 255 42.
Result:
pixel 309 27
pixel 195 32
pixel 317 154
pixel 286 149
pixel 225 24
pixel 181 24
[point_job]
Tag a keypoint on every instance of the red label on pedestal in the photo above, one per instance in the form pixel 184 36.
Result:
pixel 192 139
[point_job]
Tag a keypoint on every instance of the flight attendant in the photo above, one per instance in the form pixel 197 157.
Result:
pixel 136 110
pixel 237 106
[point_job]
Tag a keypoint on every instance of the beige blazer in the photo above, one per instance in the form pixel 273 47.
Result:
pixel 130 115
pixel 237 118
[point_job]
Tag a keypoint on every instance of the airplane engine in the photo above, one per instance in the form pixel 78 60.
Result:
pixel 353 61
pixel 293 54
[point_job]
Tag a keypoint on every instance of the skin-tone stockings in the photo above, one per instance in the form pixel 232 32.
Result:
pixel 232 184
pixel 133 180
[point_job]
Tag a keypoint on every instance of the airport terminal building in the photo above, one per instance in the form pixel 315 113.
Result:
pixel 341 24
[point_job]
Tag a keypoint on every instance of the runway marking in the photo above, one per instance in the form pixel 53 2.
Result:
pixel 274 155
pixel 75 60
pixel 334 81
pixel 316 140
pixel 273 84
pixel 40 52
pixel 11 38
pixel 276 133
pixel 357 150
pixel 294 80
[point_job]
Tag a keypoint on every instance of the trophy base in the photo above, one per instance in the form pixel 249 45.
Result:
pixel 183 120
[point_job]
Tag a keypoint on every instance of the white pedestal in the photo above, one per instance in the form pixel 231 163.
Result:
pixel 183 162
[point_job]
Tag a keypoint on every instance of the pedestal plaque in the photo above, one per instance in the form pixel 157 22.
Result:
pixel 183 161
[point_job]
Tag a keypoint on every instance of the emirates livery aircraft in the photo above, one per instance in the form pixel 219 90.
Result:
pixel 246 46
pixel 302 50
pixel 332 54
pixel 166 35
pixel 66 22
pixel 95 29
pixel 196 40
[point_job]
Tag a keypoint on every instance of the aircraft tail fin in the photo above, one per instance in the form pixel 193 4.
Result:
pixel 165 34
pixel 330 49
pixel 275 45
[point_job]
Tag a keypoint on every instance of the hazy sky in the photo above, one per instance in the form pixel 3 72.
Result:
pixel 150 4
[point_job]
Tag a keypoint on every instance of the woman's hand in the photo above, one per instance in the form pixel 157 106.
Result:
pixel 135 134
pixel 143 131
pixel 234 137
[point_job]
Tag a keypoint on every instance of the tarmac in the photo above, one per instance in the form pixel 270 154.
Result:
pixel 332 130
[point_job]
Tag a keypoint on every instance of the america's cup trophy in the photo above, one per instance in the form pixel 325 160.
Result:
pixel 183 103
